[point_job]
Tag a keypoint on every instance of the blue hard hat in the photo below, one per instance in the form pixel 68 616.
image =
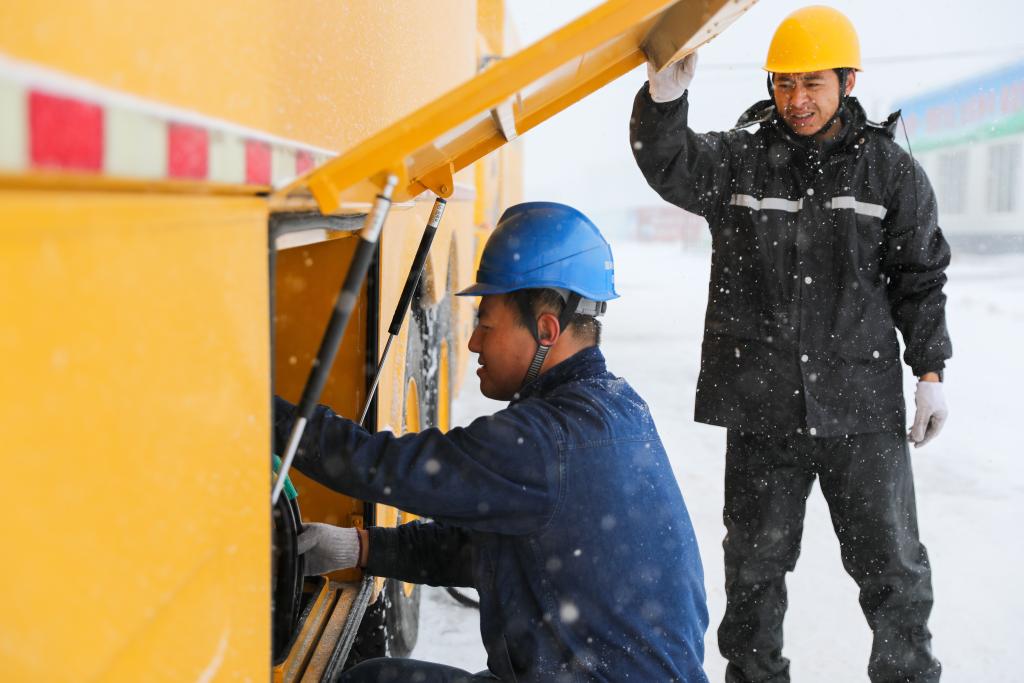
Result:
pixel 545 245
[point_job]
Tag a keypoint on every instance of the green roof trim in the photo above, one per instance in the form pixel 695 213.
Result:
pixel 989 131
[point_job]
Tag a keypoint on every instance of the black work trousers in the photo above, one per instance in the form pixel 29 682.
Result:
pixel 385 669
pixel 869 486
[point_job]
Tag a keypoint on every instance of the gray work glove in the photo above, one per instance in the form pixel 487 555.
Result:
pixel 670 83
pixel 931 413
pixel 328 548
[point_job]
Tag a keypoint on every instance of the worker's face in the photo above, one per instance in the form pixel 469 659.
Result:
pixel 504 348
pixel 807 101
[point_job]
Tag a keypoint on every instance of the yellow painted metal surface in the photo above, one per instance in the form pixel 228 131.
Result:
pixel 135 411
pixel 425 148
pixel 346 593
pixel 492 25
pixel 136 331
pixel 325 72
pixel 73 182
pixel 310 629
pixel 307 280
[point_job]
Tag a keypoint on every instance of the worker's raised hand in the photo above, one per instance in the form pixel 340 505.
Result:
pixel 671 82
pixel 328 548
pixel 931 413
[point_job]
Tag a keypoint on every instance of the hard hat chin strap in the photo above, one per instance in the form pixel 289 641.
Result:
pixel 843 74
pixel 536 364
pixel 568 311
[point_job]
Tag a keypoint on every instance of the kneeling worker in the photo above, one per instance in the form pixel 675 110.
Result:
pixel 561 510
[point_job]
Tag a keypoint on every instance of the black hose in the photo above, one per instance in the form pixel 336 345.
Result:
pixel 288 573
pixel 462 598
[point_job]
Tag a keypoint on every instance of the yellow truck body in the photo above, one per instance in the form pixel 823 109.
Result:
pixel 137 318
pixel 173 232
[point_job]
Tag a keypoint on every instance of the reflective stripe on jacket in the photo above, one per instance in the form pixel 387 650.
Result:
pixel 820 252
pixel 562 510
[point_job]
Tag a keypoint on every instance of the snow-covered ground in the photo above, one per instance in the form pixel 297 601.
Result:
pixel 969 487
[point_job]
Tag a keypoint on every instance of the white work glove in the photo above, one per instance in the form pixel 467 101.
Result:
pixel 328 548
pixel 672 82
pixel 931 413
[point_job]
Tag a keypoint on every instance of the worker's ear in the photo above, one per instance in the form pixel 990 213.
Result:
pixel 851 79
pixel 548 329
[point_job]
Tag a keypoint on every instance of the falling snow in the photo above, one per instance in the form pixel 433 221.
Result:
pixel 967 481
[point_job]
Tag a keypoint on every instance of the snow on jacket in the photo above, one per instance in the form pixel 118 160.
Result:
pixel 820 252
pixel 561 510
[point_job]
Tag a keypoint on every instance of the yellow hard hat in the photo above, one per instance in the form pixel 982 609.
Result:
pixel 814 38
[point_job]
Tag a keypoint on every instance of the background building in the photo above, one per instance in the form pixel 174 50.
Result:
pixel 968 136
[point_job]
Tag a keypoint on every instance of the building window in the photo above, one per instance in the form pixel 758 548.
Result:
pixel 1003 177
pixel 952 185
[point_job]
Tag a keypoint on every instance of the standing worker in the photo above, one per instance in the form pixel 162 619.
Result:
pixel 561 510
pixel 825 243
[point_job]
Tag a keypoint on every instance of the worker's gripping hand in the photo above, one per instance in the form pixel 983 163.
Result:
pixel 328 548
pixel 672 82
pixel 931 413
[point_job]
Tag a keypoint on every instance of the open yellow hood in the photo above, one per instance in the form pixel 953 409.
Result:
pixel 512 95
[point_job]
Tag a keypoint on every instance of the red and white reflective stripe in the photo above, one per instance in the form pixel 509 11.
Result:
pixel 53 122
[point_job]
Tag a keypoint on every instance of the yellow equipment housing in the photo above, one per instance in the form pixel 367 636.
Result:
pixel 173 232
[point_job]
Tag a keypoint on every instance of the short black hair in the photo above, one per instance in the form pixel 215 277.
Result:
pixel 529 303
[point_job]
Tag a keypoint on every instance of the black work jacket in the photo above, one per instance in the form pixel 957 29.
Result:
pixel 820 252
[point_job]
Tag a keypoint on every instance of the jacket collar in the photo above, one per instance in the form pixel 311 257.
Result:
pixel 854 121
pixel 586 363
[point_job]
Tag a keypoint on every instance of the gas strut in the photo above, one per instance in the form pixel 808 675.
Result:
pixel 415 273
pixel 343 306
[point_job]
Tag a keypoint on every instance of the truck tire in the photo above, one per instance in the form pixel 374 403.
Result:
pixel 402 616
pixel 402 600
pixel 391 625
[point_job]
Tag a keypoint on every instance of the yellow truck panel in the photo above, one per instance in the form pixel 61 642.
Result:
pixel 326 72
pixel 149 315
pixel 136 426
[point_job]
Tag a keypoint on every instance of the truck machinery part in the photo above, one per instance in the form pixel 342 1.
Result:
pixel 392 622
pixel 282 224
pixel 340 634
pixel 347 297
pixel 341 653
pixel 288 570
pixel 411 282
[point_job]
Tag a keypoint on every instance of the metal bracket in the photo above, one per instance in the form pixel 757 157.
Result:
pixel 440 181
pixel 504 118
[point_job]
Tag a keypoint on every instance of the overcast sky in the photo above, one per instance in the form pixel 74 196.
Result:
pixel 582 156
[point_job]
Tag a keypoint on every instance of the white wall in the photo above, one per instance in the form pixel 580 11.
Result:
pixel 976 220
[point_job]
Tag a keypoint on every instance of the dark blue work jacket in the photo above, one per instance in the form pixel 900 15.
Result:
pixel 561 510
